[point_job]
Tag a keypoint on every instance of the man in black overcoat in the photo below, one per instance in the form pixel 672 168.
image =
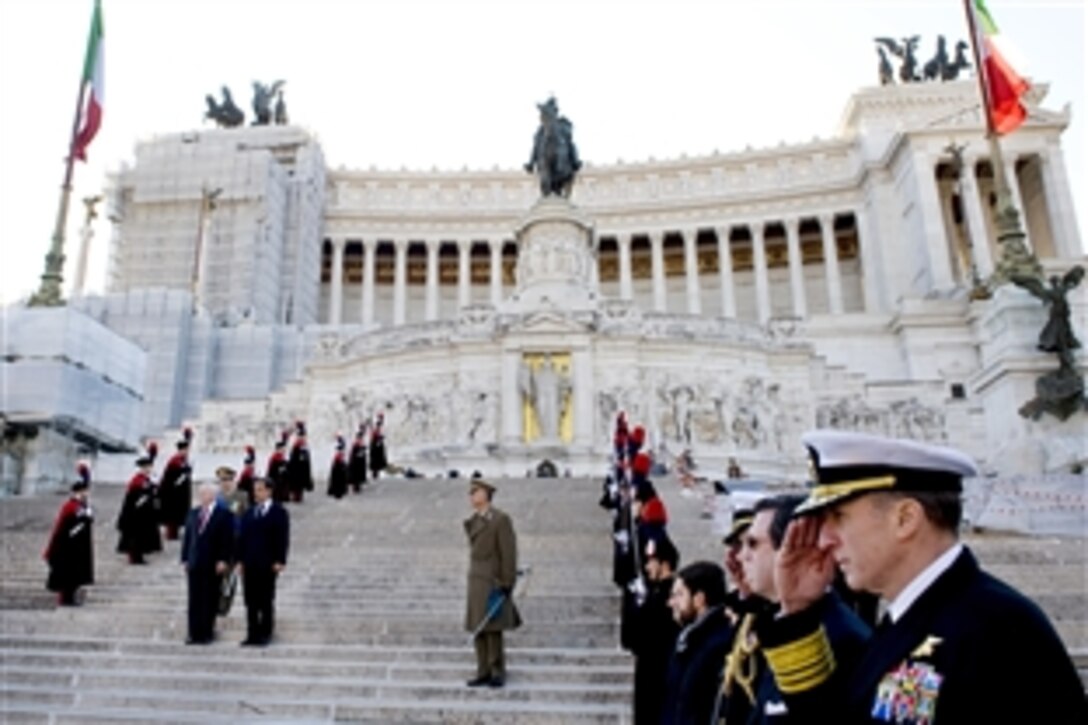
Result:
pixel 696 664
pixel 262 555
pixel 207 551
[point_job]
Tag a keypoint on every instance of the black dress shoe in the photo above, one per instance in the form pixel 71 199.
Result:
pixel 479 681
pixel 249 642
pixel 190 640
pixel 496 682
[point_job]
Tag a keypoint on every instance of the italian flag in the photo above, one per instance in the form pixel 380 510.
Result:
pixel 1003 86
pixel 91 114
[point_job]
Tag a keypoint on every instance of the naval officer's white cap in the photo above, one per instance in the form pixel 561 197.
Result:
pixel 844 464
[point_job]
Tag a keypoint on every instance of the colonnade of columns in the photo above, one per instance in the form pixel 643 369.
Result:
pixel 692 282
pixel 400 277
pixel 726 282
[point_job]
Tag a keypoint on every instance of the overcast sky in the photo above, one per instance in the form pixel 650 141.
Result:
pixel 451 84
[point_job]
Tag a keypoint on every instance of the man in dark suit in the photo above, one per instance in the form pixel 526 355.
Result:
pixel 955 646
pixel 262 555
pixel 492 573
pixel 207 552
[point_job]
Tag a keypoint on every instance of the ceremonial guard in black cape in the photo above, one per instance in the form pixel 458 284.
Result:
pixel 338 472
pixel 276 469
pixel 138 520
pixel 70 552
pixel 176 487
pixel 357 460
pixel 300 477
pixel 492 573
pixel 378 461
pixel 248 473
pixel 957 646
pixel 207 552
pixel 655 630
pixel 262 555
pixel 645 521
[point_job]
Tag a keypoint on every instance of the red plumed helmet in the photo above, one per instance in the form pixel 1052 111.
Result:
pixel 638 434
pixel 83 470
pixel 653 512
pixel 251 454
pixel 641 464
pixel 152 450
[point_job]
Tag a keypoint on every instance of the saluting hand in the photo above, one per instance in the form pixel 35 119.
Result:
pixel 802 570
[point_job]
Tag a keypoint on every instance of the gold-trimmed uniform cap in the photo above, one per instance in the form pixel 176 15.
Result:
pixel 481 483
pixel 742 520
pixel 845 464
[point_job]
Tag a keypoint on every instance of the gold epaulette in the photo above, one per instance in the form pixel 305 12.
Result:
pixel 802 664
pixel 741 667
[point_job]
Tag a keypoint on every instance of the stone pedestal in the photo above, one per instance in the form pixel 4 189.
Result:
pixel 555 260
pixel 1007 328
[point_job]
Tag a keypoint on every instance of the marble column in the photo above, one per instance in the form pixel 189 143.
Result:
pixel 464 273
pixel 495 246
pixel 336 276
pixel 759 272
pixel 797 267
pixel 370 249
pixel 430 312
pixel 691 272
pixel 831 264
pixel 657 258
pixel 871 274
pixel 1059 204
pixel 975 220
pixel 623 246
pixel 400 280
pixel 932 222
pixel 725 273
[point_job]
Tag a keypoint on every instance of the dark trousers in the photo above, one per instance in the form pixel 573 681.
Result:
pixel 260 593
pixel 203 603
pixel 490 658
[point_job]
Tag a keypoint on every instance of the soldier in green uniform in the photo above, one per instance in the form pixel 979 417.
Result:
pixel 492 572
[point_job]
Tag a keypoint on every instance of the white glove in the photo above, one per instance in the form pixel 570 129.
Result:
pixel 622 538
pixel 638 587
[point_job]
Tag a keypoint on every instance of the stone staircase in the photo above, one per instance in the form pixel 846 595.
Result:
pixel 369 620
pixel 370 612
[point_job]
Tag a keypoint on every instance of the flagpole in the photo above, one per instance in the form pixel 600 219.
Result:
pixel 49 293
pixel 1016 259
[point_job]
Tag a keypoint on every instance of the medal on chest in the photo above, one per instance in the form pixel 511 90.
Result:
pixel 907 695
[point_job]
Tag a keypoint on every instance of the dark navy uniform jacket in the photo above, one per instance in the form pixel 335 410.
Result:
pixel 970 649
